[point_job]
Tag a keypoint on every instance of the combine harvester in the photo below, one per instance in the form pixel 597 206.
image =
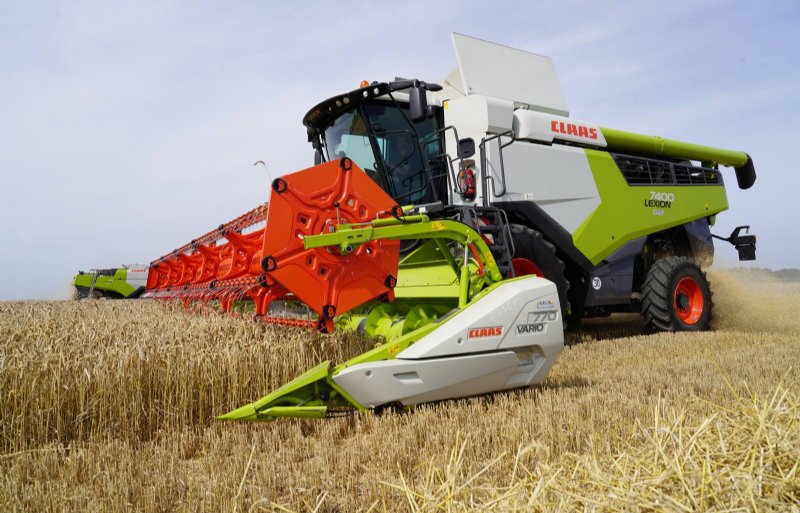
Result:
pixel 463 225
pixel 126 282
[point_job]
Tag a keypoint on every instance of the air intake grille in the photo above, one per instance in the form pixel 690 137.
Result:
pixel 642 171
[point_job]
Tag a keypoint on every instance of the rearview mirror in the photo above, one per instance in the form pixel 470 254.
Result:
pixel 466 148
pixel 418 102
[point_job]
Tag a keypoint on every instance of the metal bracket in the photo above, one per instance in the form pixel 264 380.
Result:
pixel 744 244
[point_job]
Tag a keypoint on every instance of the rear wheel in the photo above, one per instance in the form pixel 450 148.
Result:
pixel 676 296
pixel 534 255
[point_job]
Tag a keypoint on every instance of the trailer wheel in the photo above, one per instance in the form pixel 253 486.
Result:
pixel 534 255
pixel 676 296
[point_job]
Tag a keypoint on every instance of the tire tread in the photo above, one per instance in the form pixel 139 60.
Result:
pixel 657 299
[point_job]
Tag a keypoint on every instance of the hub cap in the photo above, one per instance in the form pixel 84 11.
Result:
pixel 688 300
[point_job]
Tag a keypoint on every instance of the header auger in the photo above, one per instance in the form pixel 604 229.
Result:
pixel 463 225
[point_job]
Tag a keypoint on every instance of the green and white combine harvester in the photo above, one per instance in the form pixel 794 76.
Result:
pixel 126 282
pixel 518 221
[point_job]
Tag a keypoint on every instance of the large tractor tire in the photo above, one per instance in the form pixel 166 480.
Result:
pixel 676 296
pixel 534 255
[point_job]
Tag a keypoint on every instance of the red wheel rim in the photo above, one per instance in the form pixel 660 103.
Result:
pixel 524 267
pixel 688 300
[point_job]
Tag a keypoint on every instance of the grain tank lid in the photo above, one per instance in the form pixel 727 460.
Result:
pixel 490 69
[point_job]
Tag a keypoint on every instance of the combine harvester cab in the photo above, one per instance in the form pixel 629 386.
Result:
pixel 463 232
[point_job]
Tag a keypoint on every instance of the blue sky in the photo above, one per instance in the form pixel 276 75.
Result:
pixel 126 129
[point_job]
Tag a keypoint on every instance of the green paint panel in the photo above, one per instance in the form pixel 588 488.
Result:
pixel 628 212
pixel 116 283
pixel 426 273
pixel 83 280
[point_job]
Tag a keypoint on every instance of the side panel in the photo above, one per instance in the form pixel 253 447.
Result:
pixel 415 381
pixel 509 337
pixel 558 178
pixel 125 282
pixel 628 212
pixel 519 313
pixel 476 117
pixel 611 282
pixel 136 276
pixel 105 283
pixel 117 283
pixel 82 280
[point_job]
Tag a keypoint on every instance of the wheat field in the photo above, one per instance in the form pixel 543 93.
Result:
pixel 108 406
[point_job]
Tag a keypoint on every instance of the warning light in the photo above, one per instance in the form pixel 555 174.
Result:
pixel 364 83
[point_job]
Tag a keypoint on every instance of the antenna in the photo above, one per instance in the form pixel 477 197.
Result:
pixel 257 162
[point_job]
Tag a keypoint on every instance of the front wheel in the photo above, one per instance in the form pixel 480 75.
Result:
pixel 676 296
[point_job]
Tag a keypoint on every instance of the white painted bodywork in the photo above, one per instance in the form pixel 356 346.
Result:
pixel 479 115
pixel 557 178
pixel 137 276
pixel 497 90
pixel 450 363
pixel 476 117
pixel 538 126
pixel 497 71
